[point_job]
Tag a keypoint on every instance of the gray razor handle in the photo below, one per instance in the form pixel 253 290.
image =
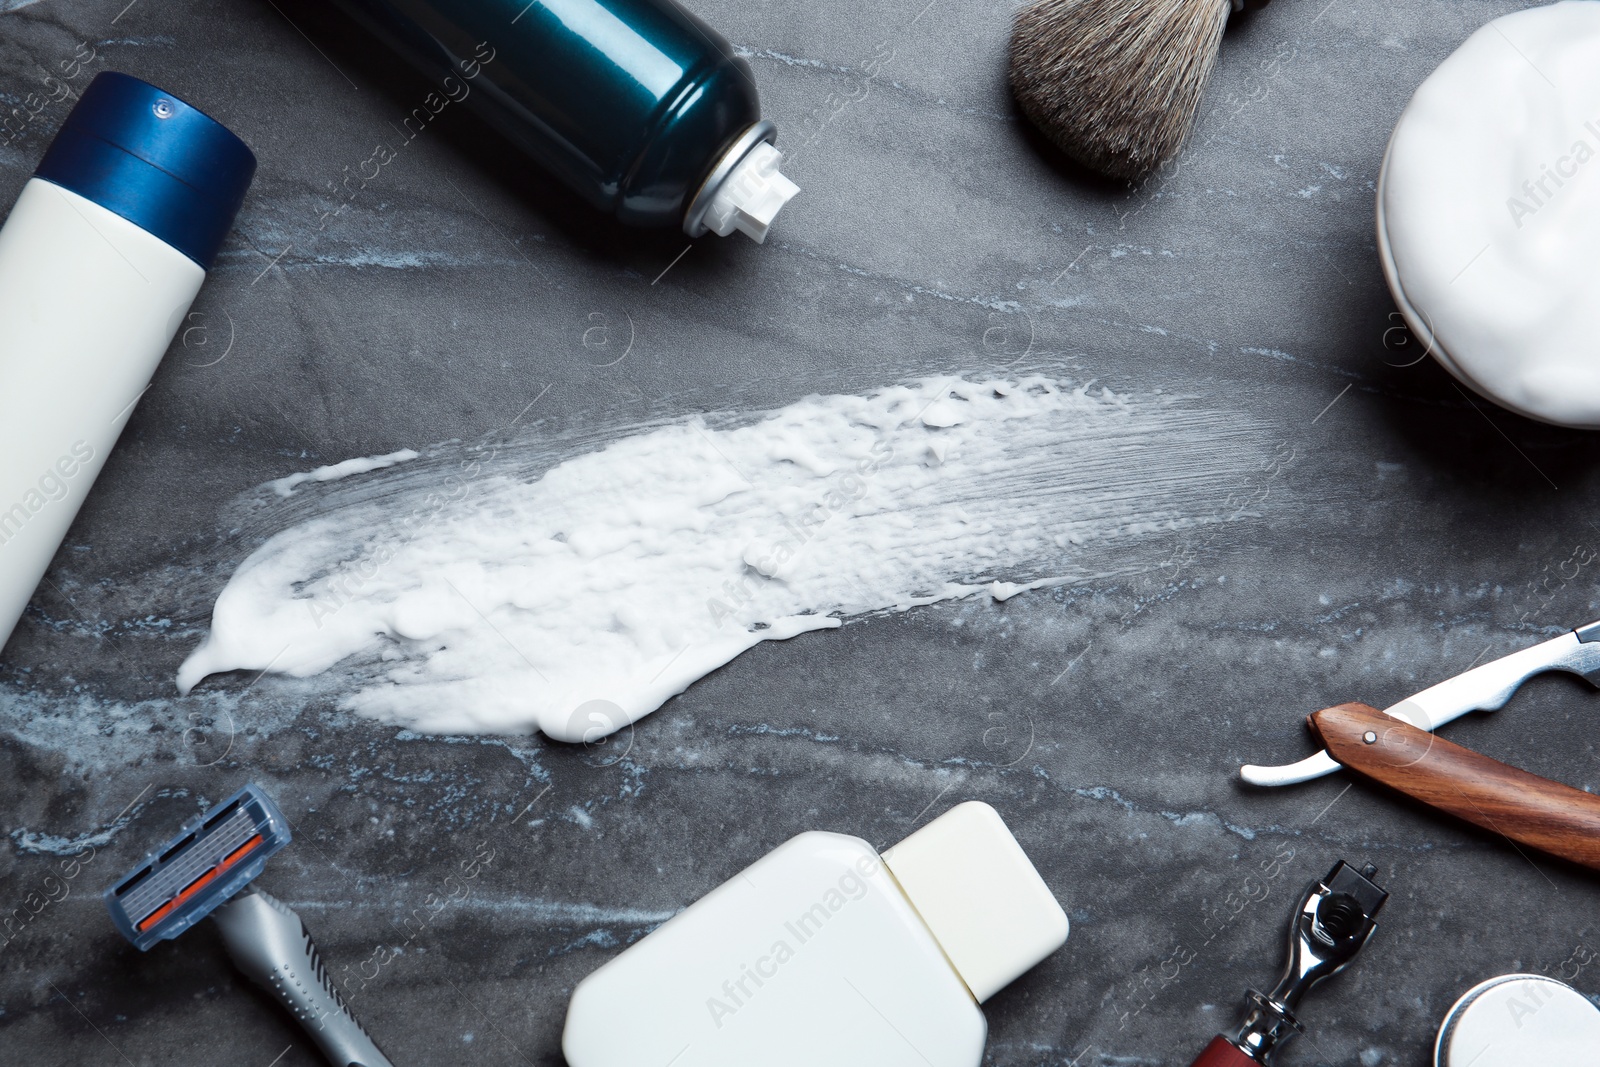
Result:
pixel 268 942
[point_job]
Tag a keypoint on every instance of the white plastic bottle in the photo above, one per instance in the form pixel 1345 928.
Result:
pixel 822 952
pixel 99 261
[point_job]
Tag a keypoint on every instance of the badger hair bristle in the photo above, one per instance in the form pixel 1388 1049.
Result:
pixel 1115 83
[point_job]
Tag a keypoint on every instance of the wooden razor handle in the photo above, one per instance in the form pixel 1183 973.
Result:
pixel 1534 811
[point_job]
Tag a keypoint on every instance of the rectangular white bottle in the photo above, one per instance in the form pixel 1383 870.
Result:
pixel 822 953
pixel 100 260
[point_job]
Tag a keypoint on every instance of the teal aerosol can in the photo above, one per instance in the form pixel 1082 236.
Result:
pixel 637 105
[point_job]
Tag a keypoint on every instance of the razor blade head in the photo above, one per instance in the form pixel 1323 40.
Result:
pixel 213 857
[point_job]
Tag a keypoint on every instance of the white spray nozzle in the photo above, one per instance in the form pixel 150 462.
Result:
pixel 752 194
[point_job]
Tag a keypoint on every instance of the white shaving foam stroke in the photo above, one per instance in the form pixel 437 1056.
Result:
pixel 335 471
pixel 580 600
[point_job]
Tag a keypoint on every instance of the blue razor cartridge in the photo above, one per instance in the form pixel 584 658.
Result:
pixel 213 857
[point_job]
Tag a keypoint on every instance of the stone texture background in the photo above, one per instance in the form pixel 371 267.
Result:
pixel 1403 533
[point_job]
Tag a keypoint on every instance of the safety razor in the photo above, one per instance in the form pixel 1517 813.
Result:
pixel 1331 922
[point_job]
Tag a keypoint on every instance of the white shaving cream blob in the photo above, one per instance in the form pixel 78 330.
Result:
pixel 1489 212
pixel 583 599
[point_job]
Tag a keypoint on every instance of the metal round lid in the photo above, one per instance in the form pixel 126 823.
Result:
pixel 1516 1020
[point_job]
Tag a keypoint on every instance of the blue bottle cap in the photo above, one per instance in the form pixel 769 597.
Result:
pixel 166 167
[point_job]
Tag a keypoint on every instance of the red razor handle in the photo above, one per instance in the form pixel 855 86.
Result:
pixel 1223 1053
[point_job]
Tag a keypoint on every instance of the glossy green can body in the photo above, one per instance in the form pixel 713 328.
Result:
pixel 631 103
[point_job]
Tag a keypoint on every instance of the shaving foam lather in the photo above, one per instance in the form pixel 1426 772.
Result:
pixel 637 105
pixel 99 261
pixel 823 952
pixel 206 869
pixel 1330 924
pixel 1488 213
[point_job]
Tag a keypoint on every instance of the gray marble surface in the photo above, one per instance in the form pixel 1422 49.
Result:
pixel 1403 534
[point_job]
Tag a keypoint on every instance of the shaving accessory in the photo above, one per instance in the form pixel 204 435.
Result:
pixel 100 260
pixel 1116 83
pixel 1517 1019
pixel 1526 808
pixel 1489 161
pixel 206 869
pixel 893 955
pixel 1395 747
pixel 1484 688
pixel 636 105
pixel 1332 921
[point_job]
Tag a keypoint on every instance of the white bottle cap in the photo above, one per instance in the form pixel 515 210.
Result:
pixel 751 195
pixel 974 887
pixel 1516 1020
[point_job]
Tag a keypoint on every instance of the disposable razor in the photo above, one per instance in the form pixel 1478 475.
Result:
pixel 1332 921
pixel 206 869
pixel 1396 747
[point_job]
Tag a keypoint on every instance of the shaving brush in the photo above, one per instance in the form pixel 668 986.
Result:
pixel 1116 83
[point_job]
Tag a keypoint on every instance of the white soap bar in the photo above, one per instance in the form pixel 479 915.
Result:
pixel 1489 212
